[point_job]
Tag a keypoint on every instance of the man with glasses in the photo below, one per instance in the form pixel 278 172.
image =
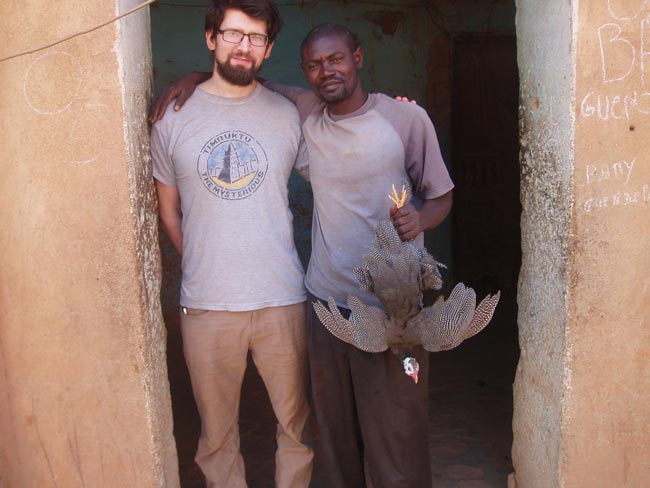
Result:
pixel 221 176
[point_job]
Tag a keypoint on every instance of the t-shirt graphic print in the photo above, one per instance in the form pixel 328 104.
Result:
pixel 232 165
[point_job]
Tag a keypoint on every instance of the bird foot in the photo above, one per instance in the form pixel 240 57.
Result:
pixel 399 200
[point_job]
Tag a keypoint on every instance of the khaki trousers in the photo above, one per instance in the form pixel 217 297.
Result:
pixel 216 344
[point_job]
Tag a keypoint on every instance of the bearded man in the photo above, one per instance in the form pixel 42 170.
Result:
pixel 221 168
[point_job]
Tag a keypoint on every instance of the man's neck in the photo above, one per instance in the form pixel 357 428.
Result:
pixel 216 85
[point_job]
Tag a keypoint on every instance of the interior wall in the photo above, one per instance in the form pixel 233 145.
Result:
pixel 485 138
pixel 84 396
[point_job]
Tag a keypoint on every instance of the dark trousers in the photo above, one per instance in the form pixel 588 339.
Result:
pixel 364 405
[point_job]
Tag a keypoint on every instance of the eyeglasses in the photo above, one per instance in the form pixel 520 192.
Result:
pixel 235 37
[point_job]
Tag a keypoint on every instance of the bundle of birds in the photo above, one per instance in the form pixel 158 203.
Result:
pixel 399 273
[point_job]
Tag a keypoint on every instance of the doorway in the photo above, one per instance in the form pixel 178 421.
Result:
pixel 470 387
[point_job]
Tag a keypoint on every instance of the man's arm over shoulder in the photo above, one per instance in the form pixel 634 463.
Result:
pixel 180 90
pixel 293 93
pixel 304 99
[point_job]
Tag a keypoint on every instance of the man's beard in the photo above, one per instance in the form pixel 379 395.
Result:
pixel 237 75
pixel 332 98
pixel 342 94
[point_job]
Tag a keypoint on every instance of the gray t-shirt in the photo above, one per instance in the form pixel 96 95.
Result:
pixel 353 161
pixel 230 159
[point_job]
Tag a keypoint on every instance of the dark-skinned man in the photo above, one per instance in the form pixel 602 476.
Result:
pixel 360 144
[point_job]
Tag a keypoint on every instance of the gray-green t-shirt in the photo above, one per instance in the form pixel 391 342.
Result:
pixel 353 161
pixel 230 159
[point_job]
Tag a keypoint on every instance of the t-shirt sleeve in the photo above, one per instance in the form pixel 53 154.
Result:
pixel 423 159
pixel 163 166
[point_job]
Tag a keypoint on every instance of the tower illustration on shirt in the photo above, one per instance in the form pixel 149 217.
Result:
pixel 234 168
pixel 232 165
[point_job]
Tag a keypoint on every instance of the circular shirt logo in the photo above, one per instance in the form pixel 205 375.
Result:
pixel 232 165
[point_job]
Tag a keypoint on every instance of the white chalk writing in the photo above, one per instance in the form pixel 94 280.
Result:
pixel 619 55
pixel 613 46
pixel 624 48
pixel 619 170
pixel 639 196
pixel 626 10
pixel 623 94
pixel 619 106
pixel 46 94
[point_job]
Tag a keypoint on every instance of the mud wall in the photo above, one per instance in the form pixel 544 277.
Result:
pixel 608 396
pixel 83 381
pixel 582 389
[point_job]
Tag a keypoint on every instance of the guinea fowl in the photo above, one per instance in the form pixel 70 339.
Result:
pixel 399 273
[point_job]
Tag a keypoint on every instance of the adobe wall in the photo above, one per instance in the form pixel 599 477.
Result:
pixel 583 383
pixel 607 431
pixel 84 398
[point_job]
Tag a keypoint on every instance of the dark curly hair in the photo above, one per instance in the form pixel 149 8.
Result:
pixel 258 9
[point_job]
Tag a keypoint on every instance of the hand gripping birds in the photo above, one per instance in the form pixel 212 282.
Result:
pixel 399 273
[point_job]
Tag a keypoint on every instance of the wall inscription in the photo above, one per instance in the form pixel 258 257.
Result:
pixel 617 95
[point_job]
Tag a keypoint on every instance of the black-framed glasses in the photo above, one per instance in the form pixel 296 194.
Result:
pixel 235 37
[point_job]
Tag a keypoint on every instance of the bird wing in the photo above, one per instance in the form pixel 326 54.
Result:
pixel 365 329
pixel 483 314
pixel 449 322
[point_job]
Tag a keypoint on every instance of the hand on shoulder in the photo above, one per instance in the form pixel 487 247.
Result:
pixel 405 99
pixel 180 90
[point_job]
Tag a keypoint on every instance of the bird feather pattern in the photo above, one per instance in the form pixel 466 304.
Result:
pixel 399 273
